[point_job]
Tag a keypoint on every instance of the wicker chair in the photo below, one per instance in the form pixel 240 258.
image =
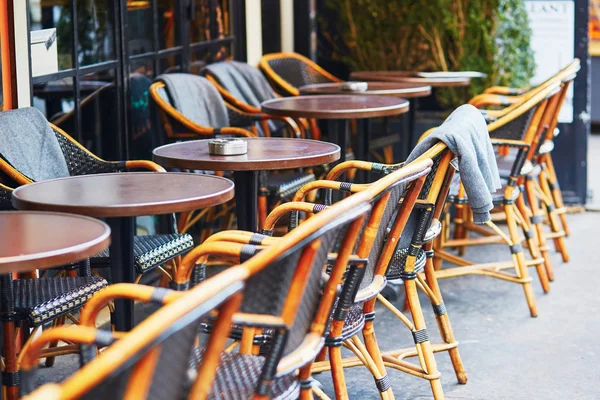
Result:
pixel 289 71
pixel 154 360
pixel 245 88
pixel 520 129
pixel 285 295
pixel 545 178
pixel 364 282
pixel 150 251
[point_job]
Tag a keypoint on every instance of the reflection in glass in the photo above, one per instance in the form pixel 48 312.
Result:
pixel 140 23
pixel 94 28
pixel 55 98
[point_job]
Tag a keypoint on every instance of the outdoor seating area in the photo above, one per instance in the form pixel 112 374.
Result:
pixel 264 225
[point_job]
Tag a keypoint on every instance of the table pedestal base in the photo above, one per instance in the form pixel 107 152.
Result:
pixel 122 268
pixel 246 197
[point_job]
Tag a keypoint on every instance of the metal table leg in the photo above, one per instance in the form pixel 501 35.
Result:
pixel 122 267
pixel 246 198
pixel 337 132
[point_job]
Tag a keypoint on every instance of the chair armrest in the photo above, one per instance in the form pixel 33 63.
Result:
pixel 243 237
pixel 290 123
pixel 305 353
pixel 504 90
pixel 328 184
pixel 72 334
pixel 128 291
pixel 509 142
pixel 362 165
pixel 485 100
pixel 200 254
pixel 144 164
pixel 283 209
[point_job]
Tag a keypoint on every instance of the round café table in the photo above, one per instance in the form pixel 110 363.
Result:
pixel 405 90
pixel 264 154
pixel 120 197
pixel 30 240
pixel 337 110
pixel 411 77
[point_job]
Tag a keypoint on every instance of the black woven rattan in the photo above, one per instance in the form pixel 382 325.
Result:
pixel 238 374
pixel 398 263
pixel 497 197
pixel 151 251
pixel 80 162
pixel 44 299
pixel 515 129
pixel 239 119
pixel 5 197
pixel 296 72
pixel 285 184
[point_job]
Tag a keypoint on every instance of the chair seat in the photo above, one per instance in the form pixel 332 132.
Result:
pixel 44 299
pixel 237 376
pixel 398 263
pixel 151 251
pixel 497 197
pixel 355 321
pixel 285 184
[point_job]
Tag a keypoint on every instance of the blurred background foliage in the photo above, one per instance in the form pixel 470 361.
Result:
pixel 490 36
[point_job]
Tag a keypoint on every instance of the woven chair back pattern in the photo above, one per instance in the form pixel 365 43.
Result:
pixel 5 196
pixel 296 72
pixel 79 162
pixel 515 129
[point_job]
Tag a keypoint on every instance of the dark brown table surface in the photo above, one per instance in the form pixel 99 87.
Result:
pixel 125 194
pixel 32 240
pixel 397 89
pixel 351 106
pixel 263 154
pixel 408 77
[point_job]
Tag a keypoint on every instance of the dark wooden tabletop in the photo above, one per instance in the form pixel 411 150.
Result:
pixel 263 154
pixel 409 77
pixel 32 240
pixel 125 194
pixel 397 89
pixel 350 106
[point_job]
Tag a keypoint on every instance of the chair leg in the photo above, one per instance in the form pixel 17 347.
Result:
pixel 422 342
pixel 10 360
pixel 519 259
pixel 536 244
pixel 371 346
pixel 335 360
pixel 304 376
pixel 559 241
pixel 552 181
pixel 442 318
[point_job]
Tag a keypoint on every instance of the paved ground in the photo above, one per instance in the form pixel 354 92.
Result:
pixel 507 354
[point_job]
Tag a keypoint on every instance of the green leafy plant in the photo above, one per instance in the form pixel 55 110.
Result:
pixel 490 36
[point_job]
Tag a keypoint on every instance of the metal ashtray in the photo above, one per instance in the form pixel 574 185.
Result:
pixel 227 147
pixel 355 86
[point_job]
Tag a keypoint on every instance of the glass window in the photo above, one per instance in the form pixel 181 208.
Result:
pixel 53 15
pixel 55 99
pixel 95 31
pixel 140 20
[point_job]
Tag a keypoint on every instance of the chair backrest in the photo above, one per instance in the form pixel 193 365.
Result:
pixel 289 71
pixel 153 359
pixel 195 98
pixel 241 81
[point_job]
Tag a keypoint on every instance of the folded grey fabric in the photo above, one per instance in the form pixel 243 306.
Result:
pixel 244 82
pixel 196 98
pixel 466 135
pixel 29 144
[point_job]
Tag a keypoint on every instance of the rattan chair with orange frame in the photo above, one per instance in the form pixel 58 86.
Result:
pixel 245 88
pixel 520 129
pixel 287 72
pixel 153 361
pixel 547 183
pixel 283 294
pixel 407 254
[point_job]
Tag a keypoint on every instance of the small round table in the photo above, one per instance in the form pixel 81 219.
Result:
pixel 119 197
pixel 31 240
pixel 406 141
pixel 410 77
pixel 397 89
pixel 338 110
pixel 264 154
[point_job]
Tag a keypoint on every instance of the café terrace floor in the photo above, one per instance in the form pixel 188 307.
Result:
pixel 506 353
